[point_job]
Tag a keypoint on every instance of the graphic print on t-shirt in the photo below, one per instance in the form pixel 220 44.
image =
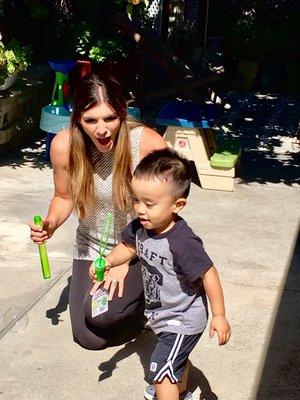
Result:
pixel 170 264
pixel 152 279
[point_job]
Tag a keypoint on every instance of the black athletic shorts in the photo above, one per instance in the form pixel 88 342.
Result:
pixel 170 355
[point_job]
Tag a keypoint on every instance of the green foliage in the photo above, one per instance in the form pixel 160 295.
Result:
pixel 82 40
pixel 256 30
pixel 13 58
pixel 106 48
pixel 98 46
pixel 39 11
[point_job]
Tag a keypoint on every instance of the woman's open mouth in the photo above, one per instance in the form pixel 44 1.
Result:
pixel 104 141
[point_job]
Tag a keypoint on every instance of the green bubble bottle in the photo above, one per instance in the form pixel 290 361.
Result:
pixel 43 251
pixel 100 262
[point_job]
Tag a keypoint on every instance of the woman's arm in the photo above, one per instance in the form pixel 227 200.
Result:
pixel 60 206
pixel 150 140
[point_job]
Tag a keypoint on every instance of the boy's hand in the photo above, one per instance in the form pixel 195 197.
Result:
pixel 220 324
pixel 112 278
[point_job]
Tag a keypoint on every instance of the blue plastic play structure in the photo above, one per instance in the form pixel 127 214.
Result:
pixel 56 116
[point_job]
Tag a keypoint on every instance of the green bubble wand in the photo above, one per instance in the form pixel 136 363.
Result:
pixel 37 219
pixel 100 263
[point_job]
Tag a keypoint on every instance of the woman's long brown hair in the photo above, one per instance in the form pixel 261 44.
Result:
pixel 86 96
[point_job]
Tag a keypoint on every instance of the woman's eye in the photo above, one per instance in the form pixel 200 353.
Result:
pixel 149 205
pixel 109 119
pixel 90 121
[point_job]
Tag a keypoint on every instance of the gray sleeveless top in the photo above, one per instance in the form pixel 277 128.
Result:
pixel 88 233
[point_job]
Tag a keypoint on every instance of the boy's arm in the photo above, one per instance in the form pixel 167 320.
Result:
pixel 120 254
pixel 213 289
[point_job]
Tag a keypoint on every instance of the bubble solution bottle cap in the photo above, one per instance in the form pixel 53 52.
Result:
pixel 37 219
pixel 100 265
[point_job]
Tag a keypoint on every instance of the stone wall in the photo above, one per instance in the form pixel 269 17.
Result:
pixel 20 107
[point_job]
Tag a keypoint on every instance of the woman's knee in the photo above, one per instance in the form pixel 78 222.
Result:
pixel 116 315
pixel 90 341
pixel 118 310
pixel 105 320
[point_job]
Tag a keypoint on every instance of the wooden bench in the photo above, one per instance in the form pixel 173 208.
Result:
pixel 189 132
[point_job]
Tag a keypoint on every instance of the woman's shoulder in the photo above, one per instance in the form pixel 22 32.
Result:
pixel 150 140
pixel 60 146
pixel 62 138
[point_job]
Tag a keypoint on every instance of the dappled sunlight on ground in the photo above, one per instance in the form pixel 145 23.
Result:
pixel 31 155
pixel 266 125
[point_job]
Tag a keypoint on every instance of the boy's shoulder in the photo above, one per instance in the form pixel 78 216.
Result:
pixel 133 226
pixel 183 240
pixel 188 252
pixel 180 234
pixel 130 231
pixel 183 232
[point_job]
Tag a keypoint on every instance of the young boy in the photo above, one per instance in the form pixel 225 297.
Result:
pixel 177 272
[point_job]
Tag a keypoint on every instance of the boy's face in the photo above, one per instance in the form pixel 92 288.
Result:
pixel 154 204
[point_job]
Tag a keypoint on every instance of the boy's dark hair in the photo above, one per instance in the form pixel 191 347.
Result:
pixel 167 165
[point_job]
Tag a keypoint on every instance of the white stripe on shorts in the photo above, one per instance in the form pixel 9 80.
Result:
pixel 167 369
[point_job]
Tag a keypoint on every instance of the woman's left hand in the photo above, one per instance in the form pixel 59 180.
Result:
pixel 112 278
pixel 116 277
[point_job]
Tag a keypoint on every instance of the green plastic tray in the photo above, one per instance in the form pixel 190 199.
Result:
pixel 226 155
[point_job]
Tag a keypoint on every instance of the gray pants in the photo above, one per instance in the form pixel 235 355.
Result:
pixel 122 322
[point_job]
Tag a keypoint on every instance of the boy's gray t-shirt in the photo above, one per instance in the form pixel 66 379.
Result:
pixel 171 264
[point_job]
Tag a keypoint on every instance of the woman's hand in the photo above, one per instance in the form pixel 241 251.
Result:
pixel 112 278
pixel 40 235
pixel 116 277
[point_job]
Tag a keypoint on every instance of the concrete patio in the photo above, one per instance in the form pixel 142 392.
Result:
pixel 252 236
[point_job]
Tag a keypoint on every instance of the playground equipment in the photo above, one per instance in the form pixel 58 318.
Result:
pixel 189 132
pixel 133 110
pixel 61 89
pixel 56 116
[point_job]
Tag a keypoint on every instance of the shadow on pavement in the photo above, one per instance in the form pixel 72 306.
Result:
pixel 31 154
pixel 62 305
pixel 266 126
pixel 198 379
pixel 280 378
pixel 143 347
